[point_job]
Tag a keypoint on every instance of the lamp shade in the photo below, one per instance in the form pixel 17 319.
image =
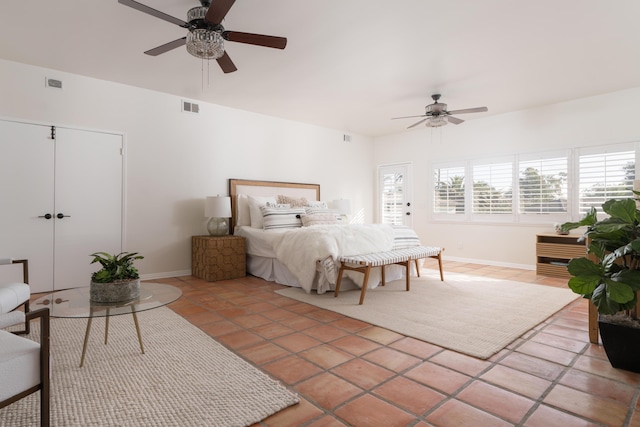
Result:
pixel 343 206
pixel 217 207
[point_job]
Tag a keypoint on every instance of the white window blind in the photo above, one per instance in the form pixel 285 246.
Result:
pixel 605 176
pixel 492 188
pixel 448 194
pixel 392 198
pixel 542 186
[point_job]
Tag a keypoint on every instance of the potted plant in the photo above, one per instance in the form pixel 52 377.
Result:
pixel 118 280
pixel 610 277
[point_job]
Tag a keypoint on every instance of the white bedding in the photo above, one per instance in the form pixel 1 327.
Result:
pixel 307 250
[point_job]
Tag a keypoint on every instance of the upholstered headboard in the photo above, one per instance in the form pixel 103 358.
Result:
pixel 246 187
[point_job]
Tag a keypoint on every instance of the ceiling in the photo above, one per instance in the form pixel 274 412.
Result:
pixel 351 65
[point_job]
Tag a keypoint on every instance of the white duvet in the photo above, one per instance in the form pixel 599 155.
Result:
pixel 300 249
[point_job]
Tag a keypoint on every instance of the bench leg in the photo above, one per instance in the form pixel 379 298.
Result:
pixel 364 283
pixel 408 272
pixel 383 279
pixel 440 266
pixel 417 268
pixel 339 281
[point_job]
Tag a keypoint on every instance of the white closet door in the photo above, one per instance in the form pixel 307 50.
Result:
pixel 88 192
pixel 27 194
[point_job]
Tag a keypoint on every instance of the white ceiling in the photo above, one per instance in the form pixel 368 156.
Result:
pixel 349 64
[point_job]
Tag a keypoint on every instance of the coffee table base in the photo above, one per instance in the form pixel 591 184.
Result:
pixel 106 332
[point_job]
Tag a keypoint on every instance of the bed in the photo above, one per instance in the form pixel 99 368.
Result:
pixel 294 238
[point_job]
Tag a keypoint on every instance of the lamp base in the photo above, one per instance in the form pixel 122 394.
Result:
pixel 218 227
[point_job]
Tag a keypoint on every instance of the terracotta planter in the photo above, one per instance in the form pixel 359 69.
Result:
pixel 120 291
pixel 621 343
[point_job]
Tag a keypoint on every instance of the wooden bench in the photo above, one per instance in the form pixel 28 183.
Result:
pixel 364 263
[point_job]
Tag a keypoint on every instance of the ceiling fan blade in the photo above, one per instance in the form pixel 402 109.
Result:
pixel 218 10
pixel 469 110
pixel 153 12
pixel 167 47
pixel 226 63
pixel 255 39
pixel 454 120
pixel 410 117
pixel 419 123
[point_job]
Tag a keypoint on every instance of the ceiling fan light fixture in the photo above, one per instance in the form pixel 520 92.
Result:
pixel 436 121
pixel 205 44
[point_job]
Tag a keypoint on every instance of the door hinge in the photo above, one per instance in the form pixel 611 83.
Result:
pixel 53 132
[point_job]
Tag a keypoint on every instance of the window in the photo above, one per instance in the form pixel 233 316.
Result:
pixel 492 188
pixel 605 176
pixel 392 198
pixel 448 194
pixel 542 186
pixel 532 188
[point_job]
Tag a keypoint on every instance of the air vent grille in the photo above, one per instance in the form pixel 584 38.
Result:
pixel 56 84
pixel 190 107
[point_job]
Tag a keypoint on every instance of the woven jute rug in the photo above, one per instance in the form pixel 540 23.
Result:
pixel 469 314
pixel 185 378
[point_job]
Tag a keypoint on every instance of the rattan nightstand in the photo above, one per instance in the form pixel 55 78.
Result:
pixel 216 258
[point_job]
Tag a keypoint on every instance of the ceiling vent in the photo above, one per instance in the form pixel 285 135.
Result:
pixel 190 107
pixel 56 84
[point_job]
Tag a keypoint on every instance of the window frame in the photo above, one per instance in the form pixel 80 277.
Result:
pixel 516 217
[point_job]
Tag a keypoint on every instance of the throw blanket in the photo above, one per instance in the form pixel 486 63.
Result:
pixel 300 249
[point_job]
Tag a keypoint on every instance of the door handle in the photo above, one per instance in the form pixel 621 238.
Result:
pixel 61 215
pixel 46 216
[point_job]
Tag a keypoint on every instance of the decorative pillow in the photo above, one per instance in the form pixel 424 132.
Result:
pixel 294 202
pixel 317 204
pixel 404 237
pixel 311 210
pixel 278 218
pixel 319 219
pixel 277 205
pixel 255 202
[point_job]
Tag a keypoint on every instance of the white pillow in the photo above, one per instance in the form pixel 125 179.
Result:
pixel 317 204
pixel 404 237
pixel 319 219
pixel 242 210
pixel 255 202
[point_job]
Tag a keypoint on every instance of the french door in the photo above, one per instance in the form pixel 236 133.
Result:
pixel 61 200
pixel 394 194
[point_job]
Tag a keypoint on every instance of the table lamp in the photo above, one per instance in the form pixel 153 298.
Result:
pixel 218 209
pixel 343 206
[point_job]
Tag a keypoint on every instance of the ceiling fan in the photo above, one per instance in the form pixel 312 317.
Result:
pixel 206 33
pixel 437 115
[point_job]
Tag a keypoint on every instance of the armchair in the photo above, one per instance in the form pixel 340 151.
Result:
pixel 14 295
pixel 24 366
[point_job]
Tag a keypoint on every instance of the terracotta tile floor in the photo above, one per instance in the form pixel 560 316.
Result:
pixel 349 373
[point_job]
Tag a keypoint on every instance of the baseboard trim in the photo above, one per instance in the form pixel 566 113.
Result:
pixel 488 262
pixel 165 275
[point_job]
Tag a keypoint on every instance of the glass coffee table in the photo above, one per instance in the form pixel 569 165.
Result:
pixel 75 303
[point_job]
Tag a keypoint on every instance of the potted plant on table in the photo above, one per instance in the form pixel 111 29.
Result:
pixel 118 280
pixel 610 277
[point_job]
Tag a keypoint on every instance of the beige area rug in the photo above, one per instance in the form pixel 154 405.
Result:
pixel 469 314
pixel 185 378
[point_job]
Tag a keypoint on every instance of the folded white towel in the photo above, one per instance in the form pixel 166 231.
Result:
pixel 6 260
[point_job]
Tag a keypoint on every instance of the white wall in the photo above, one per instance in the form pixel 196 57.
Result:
pixel 174 159
pixel 604 119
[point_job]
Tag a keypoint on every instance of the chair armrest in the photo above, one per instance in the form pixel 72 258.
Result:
pixel 45 331
pixel 25 269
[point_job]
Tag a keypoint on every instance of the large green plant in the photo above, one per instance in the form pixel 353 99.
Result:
pixel 611 279
pixel 115 267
